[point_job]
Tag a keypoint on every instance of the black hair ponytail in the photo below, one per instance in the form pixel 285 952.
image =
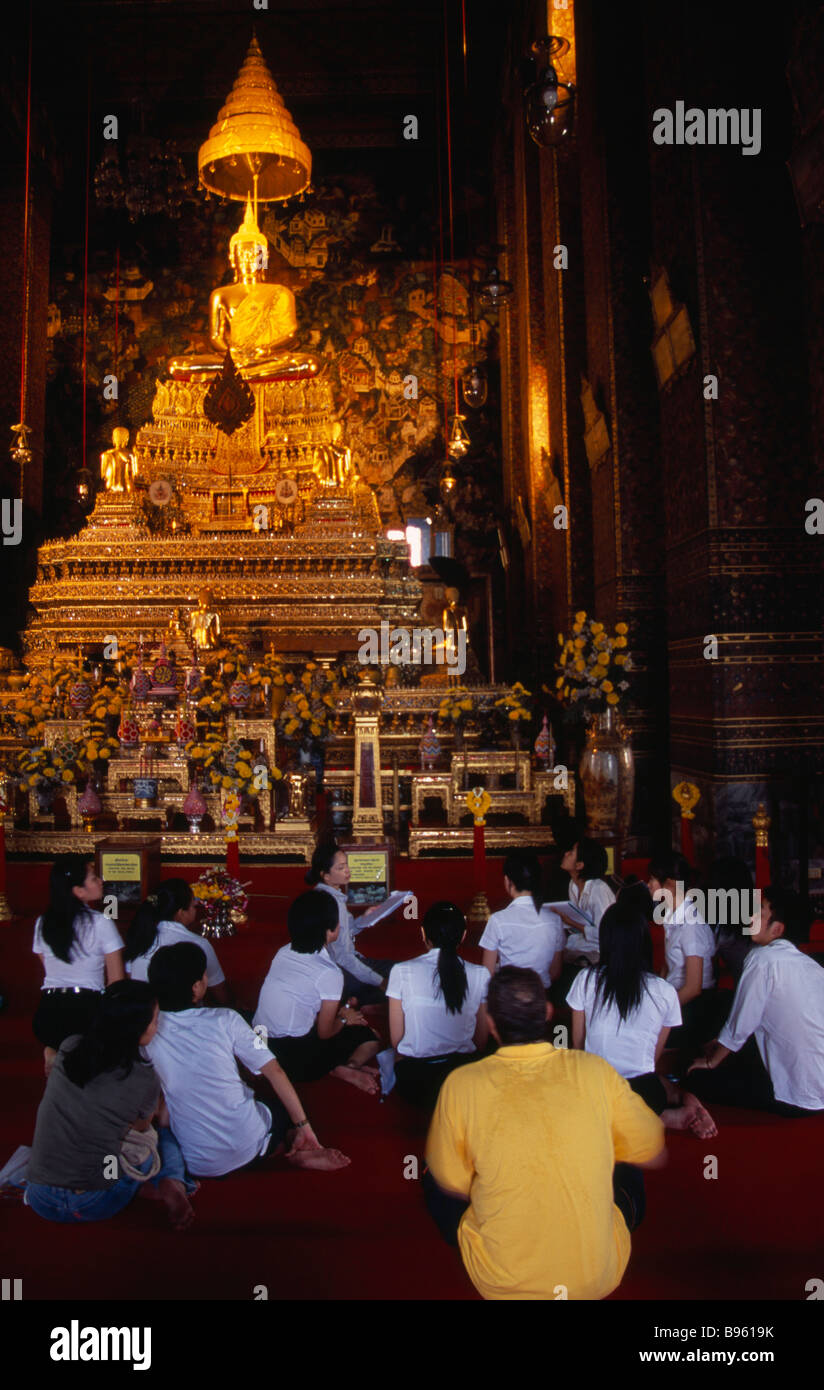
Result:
pixel 444 927
pixel 523 870
pixel 57 925
pixel 174 895
pixel 322 860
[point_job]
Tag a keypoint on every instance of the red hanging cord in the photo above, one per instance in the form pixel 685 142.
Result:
pixel 438 387
pixel 451 204
pixel 24 336
pixel 116 314
pixel 86 259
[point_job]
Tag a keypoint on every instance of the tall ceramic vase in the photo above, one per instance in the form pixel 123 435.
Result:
pixel 607 771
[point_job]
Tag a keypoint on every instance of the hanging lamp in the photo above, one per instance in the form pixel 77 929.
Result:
pixel 549 103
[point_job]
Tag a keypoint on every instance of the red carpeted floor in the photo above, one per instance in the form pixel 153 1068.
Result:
pixel 755 1231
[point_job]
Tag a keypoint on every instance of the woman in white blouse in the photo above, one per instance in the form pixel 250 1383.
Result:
pixel 166 917
pixel 586 864
pixel 624 1012
pixel 523 933
pixel 437 1016
pixel 81 952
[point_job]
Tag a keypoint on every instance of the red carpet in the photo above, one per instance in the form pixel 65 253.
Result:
pixel 754 1232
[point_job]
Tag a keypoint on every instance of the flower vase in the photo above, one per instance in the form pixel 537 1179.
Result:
pixel 515 735
pixel 607 771
pixel 45 795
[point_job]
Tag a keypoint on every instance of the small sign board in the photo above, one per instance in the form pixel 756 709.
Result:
pixel 370 867
pixel 130 872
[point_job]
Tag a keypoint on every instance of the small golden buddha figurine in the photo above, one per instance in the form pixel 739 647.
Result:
pixel 253 320
pixel 204 622
pixel 118 466
pixel 454 622
pixel 334 461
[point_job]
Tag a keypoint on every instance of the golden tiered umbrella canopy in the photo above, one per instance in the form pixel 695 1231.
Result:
pixel 254 149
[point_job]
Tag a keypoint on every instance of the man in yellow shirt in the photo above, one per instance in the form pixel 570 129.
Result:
pixel 528 1141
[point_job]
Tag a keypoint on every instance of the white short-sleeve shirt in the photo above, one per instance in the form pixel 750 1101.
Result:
pixel 171 934
pixel 296 986
pixel 687 934
pixel 780 998
pixel 95 936
pixel 524 937
pixel 592 901
pixel 430 1030
pixel 214 1115
pixel 342 951
pixel 627 1044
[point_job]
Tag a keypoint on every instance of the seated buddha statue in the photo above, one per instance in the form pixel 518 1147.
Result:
pixel 250 318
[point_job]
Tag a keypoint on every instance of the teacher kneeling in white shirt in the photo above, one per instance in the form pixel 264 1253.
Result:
pixel 437 1017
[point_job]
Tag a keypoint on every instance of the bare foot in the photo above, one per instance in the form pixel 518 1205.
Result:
pixel 324 1160
pixel 357 1076
pixel 700 1122
pixel 173 1196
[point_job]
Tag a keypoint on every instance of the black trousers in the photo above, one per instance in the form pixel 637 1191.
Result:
pixel 419 1080
pixel 366 993
pixel 627 1187
pixel 310 1057
pixel 742 1080
pixel 651 1089
pixel 697 1022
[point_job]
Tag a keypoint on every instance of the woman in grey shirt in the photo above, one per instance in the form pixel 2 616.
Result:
pixel 98 1089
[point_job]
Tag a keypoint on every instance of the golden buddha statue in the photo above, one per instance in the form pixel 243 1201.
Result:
pixel 253 320
pixel 204 622
pixel 334 461
pixel 118 466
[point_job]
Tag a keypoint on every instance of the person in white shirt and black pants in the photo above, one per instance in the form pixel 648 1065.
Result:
pixel 437 1018
pixel 689 948
pixel 523 933
pixel 776 1025
pixel 81 951
pixel 310 1032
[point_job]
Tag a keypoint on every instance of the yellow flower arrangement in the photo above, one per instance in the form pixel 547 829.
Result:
pixel 591 663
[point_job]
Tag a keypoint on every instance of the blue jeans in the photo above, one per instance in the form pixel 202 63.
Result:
pixel 63 1204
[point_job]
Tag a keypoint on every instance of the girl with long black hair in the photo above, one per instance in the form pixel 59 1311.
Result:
pixel 99 1089
pixel 623 1012
pixel 163 919
pixel 80 949
pixel 437 1018
pixel 525 933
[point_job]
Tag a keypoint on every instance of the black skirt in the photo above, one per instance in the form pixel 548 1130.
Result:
pixel 310 1057
pixel 59 1015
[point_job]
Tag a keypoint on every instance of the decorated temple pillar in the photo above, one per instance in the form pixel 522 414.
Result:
pixel 367 806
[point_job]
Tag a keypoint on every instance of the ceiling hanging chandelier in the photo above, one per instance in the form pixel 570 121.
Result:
pixel 549 102
pixel 493 290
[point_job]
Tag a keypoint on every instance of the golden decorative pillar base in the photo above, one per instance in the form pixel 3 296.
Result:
pixel 478 913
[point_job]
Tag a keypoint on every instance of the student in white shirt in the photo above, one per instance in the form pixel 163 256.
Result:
pixel 364 981
pixel 307 1028
pixel 214 1115
pixel 166 917
pixel 776 1024
pixel 437 1019
pixel 81 952
pixel 522 934
pixel 589 894
pixel 623 1012
pixel 689 947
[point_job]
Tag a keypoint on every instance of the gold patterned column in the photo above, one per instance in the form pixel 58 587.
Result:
pixel 367 811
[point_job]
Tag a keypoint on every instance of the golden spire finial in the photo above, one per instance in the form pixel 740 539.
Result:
pixel 254 148
pixel 248 230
